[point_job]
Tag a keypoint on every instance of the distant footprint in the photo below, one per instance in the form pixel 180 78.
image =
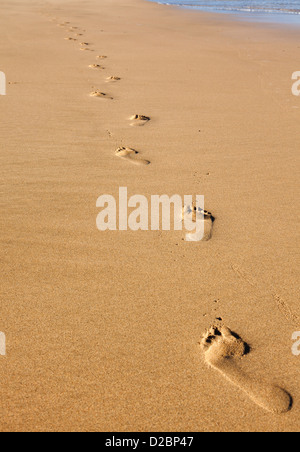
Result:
pixel 86 49
pixel 131 155
pixel 194 213
pixel 113 79
pixel 139 120
pixel 70 39
pixel 100 94
pixel 95 66
pixel 222 348
pixel 101 57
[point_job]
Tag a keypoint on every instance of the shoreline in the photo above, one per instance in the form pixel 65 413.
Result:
pixel 103 328
pixel 237 17
pixel 264 17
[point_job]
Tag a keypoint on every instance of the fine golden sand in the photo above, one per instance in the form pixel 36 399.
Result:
pixel 144 331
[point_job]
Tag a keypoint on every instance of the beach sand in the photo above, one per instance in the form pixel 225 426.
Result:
pixel 103 328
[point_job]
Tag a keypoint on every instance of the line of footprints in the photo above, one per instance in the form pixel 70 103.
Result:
pixel 222 348
pixel 127 153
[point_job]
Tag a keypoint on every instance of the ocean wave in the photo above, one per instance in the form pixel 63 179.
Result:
pixel 257 6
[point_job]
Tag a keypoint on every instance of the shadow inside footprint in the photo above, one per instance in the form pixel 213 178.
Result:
pixel 247 346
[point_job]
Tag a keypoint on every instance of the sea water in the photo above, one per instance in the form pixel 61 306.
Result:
pixel 263 10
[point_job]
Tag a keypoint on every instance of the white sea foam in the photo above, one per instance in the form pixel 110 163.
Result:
pixel 259 7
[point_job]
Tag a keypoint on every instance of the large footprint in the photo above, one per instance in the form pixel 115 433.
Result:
pixel 131 155
pixel 222 349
